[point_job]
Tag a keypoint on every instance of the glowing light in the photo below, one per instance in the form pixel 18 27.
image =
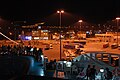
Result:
pixel 102 70
pixel 80 21
pixel 118 18
pixel 64 61
pixel 36 38
pixel 39 27
pixel 10 33
pixel 55 33
pixel 62 11
pixel 68 64
pixel 58 11
pixel 37 49
pixel 41 31
pixel 28 37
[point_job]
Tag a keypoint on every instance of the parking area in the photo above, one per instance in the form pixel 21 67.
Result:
pixel 54 52
pixel 99 46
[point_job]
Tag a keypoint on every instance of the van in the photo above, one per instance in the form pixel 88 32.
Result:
pixel 105 45
pixel 114 46
pixel 51 47
pixel 119 46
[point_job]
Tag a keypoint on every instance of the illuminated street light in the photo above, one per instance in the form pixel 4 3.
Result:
pixel 80 21
pixel 118 18
pixel 10 33
pixel 60 12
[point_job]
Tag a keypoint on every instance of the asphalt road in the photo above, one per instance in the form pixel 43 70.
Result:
pixel 55 52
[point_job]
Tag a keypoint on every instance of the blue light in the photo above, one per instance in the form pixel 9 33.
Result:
pixel 28 37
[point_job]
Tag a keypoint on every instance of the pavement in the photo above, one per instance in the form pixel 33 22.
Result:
pixel 55 52
pixel 37 68
pixel 99 46
pixel 90 46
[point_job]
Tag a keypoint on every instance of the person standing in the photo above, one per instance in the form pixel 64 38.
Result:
pixel 93 72
pixel 108 75
pixel 39 53
pixel 88 72
pixel 35 52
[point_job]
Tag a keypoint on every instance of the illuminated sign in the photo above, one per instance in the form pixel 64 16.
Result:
pixel 44 30
pixel 28 37
pixel 36 38
pixel 39 27
pixel 30 26
pixel 45 38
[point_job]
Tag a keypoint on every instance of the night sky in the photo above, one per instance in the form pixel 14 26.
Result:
pixel 94 11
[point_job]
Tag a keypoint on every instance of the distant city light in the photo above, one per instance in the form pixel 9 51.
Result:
pixel 87 32
pixel 36 38
pixel 62 11
pixel 55 33
pixel 58 11
pixel 28 37
pixel 10 33
pixel 39 27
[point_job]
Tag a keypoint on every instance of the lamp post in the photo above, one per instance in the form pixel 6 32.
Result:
pixel 118 18
pixel 80 21
pixel 60 12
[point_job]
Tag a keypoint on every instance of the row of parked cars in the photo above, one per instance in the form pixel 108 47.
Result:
pixel 113 46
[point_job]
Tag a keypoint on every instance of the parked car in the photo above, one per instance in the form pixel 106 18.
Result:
pixel 105 45
pixel 119 46
pixel 114 46
pixel 47 47
pixel 51 47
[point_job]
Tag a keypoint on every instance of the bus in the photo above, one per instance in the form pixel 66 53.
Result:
pixel 73 46
pixel 83 42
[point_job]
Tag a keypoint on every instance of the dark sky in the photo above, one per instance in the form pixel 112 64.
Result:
pixel 95 11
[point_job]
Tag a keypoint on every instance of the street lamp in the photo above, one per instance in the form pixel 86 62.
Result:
pixel 80 21
pixel 60 12
pixel 118 18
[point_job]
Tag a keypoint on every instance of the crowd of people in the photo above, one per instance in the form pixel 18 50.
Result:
pixel 19 50
pixel 92 72
pixel 51 65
